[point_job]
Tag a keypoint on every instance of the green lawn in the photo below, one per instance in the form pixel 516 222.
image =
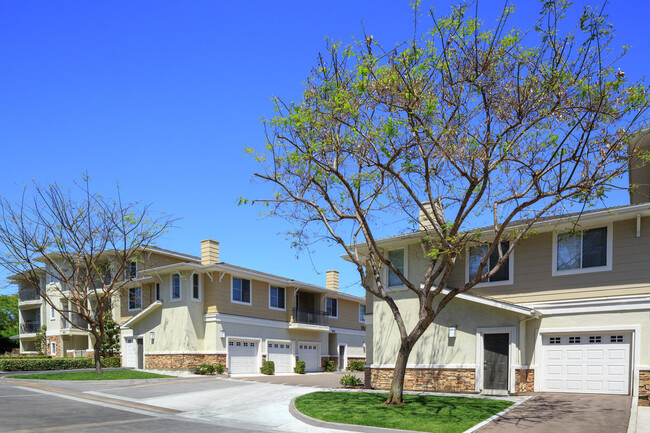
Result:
pixel 421 413
pixel 91 375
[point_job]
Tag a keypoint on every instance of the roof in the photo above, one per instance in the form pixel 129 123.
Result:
pixel 519 309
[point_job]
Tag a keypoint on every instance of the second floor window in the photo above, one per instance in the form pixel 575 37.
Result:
pixel 276 297
pixel 135 298
pixel 157 291
pixel 241 290
pixel 176 287
pixel 477 253
pixel 582 250
pixel 332 307
pixel 196 286
pixel 362 313
pixel 132 270
pixel 397 258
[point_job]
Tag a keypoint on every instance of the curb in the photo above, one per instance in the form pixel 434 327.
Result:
pixel 634 411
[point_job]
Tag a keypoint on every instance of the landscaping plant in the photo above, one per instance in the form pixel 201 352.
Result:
pixel 350 380
pixel 329 366
pixel 300 367
pixel 268 367
pixel 356 366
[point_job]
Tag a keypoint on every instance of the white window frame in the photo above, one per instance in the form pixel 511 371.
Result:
pixel 362 318
pixel 285 298
pixel 52 312
pixel 53 348
pixel 128 270
pixel 200 286
pixel 337 307
pixel 406 269
pixel 232 291
pixel 180 288
pixel 128 299
pixel 608 255
pixel 511 270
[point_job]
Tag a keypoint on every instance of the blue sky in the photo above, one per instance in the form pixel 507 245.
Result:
pixel 162 97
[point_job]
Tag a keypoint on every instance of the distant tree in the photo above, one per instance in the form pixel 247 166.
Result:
pixel 462 124
pixel 8 315
pixel 78 246
pixel 111 343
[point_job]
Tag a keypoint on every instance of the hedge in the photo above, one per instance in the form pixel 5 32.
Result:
pixel 54 363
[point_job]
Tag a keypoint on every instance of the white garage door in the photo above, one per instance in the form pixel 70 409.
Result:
pixel 130 358
pixel 586 363
pixel 282 355
pixel 308 352
pixel 242 357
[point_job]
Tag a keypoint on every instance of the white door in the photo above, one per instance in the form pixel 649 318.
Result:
pixel 281 355
pixel 242 357
pixel 308 352
pixel 596 363
pixel 130 355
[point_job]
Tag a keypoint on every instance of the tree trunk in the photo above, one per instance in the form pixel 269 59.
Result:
pixel 98 353
pixel 397 384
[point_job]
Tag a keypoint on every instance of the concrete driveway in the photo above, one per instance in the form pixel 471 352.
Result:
pixel 316 380
pixel 558 413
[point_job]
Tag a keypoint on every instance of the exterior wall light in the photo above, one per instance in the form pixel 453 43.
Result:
pixel 452 331
pixel 152 336
pixel 223 334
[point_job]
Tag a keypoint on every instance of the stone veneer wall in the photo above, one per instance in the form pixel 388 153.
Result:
pixel 352 359
pixel 59 345
pixel 324 359
pixel 525 380
pixel 426 379
pixel 183 360
pixel 644 388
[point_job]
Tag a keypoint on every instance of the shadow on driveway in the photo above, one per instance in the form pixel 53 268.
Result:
pixel 575 413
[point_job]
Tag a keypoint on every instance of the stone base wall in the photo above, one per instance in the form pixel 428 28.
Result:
pixel 426 379
pixel 644 388
pixel 184 361
pixel 59 346
pixel 525 380
pixel 324 359
pixel 351 359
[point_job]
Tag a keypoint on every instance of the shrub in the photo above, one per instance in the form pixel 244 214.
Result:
pixel 329 366
pixel 205 369
pixel 35 364
pixel 220 368
pixel 300 367
pixel 356 366
pixel 350 380
pixel 268 367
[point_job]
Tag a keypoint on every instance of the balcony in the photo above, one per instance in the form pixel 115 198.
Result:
pixel 30 327
pixel 74 319
pixel 309 319
pixel 29 295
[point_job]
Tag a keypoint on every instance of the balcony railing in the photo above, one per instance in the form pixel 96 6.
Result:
pixel 311 317
pixel 76 320
pixel 30 327
pixel 28 295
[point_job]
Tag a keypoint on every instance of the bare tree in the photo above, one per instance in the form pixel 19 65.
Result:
pixel 77 250
pixel 488 125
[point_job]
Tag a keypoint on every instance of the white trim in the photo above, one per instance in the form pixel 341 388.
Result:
pixel 635 343
pixel 337 307
pixel 512 351
pixel 358 333
pixel 368 319
pixel 243 320
pixel 200 298
pixel 171 287
pixel 52 348
pixel 405 272
pixel 258 356
pixel 285 298
pixel 442 366
pixel 189 352
pixel 250 291
pixel 141 314
pixel 511 271
pixel 608 256
pixel 128 299
pixel 592 305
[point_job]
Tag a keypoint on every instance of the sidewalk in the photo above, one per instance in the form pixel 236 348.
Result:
pixel 643 419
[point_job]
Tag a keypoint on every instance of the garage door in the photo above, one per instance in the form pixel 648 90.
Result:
pixel 586 363
pixel 242 357
pixel 309 354
pixel 282 355
pixel 130 358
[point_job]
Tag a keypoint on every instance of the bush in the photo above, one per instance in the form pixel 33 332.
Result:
pixel 300 367
pixel 268 367
pixel 205 369
pixel 220 368
pixel 350 380
pixel 356 366
pixel 36 363
pixel 329 366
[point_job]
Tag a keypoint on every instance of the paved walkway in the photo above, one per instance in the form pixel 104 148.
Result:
pixel 559 413
pixel 643 419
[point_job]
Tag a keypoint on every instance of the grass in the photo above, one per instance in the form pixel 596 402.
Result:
pixel 91 375
pixel 421 413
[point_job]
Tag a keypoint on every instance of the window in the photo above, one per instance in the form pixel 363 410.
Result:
pixel 132 269
pixel 616 339
pixel 276 297
pixel 135 298
pixel 574 340
pixel 583 251
pixel 157 291
pixel 332 307
pixel 53 348
pixel 362 312
pixel 241 291
pixel 594 339
pixel 555 340
pixel 196 286
pixel 398 260
pixel 477 253
pixel 52 313
pixel 176 287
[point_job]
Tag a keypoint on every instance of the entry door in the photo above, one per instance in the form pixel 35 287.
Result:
pixel 495 365
pixel 140 353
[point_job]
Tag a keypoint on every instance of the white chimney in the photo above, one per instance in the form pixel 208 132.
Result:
pixel 209 252
pixel 332 280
